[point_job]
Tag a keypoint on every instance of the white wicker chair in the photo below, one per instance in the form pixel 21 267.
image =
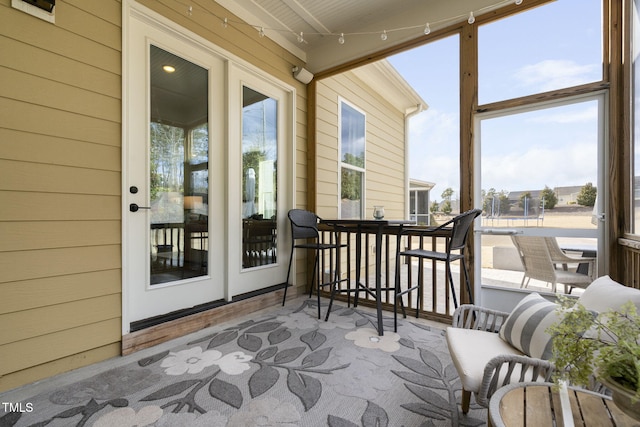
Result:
pixel 539 265
pixel 485 362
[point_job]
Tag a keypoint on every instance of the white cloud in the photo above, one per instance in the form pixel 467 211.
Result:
pixel 586 115
pixel 539 167
pixel 553 74
pixel 433 151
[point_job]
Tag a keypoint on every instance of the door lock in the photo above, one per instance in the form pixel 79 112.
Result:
pixel 135 208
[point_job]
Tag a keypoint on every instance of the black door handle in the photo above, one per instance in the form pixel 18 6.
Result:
pixel 135 208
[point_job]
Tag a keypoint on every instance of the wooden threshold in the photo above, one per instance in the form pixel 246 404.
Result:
pixel 167 331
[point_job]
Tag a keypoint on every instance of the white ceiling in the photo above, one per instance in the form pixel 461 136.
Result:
pixel 361 21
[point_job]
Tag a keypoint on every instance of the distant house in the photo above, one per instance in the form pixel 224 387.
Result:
pixel 515 196
pixel 420 201
pixel 567 195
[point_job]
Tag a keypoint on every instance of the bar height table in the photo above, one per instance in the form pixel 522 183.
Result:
pixel 377 227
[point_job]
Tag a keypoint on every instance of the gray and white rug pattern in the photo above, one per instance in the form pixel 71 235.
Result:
pixel 281 369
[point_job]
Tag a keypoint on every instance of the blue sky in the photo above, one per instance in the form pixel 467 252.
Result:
pixel 549 47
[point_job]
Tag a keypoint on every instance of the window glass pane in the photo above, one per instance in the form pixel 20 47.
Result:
pixel 352 149
pixel 553 46
pixel 539 175
pixel 351 197
pixel 178 169
pixel 353 137
pixel 259 168
pixel 550 156
pixel 636 117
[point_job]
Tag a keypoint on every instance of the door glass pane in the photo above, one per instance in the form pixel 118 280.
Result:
pixel 635 111
pixel 539 175
pixel 178 168
pixel 259 178
pixel 549 47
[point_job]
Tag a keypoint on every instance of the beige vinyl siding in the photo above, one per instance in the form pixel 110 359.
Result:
pixel 61 174
pixel 60 127
pixel 385 146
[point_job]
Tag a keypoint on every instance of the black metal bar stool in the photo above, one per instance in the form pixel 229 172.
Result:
pixel 456 241
pixel 304 225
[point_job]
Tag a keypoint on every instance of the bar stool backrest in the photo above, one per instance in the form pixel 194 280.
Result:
pixel 461 225
pixel 304 224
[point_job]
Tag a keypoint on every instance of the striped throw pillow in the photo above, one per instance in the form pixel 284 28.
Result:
pixel 526 326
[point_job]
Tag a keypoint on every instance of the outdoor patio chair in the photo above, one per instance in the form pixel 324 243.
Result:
pixel 491 349
pixel 538 264
pixel 456 242
pixel 304 226
pixel 561 258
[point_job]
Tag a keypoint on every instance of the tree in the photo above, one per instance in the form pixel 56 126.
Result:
pixel 447 194
pixel 496 202
pixel 446 207
pixel 523 197
pixel 548 196
pixel 351 184
pixel 587 195
pixel 434 207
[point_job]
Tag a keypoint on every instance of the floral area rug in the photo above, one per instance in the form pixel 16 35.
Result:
pixel 281 369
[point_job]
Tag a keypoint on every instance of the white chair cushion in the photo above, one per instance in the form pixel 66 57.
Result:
pixel 471 350
pixel 526 326
pixel 606 294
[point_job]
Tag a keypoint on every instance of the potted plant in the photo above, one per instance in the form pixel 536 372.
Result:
pixel 604 347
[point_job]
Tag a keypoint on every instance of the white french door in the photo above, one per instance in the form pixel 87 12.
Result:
pixel 174 215
pixel 208 173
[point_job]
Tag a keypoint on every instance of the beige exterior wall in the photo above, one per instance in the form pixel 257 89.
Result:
pixel 385 147
pixel 60 164
pixel 60 176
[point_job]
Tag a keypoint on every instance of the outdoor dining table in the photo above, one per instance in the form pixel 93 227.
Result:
pixel 377 227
